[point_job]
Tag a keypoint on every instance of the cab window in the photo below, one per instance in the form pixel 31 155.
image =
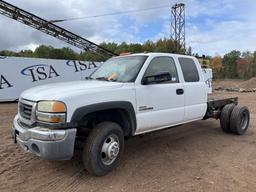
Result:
pixel 163 64
pixel 189 69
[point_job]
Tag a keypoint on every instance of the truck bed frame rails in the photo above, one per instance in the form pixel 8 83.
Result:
pixel 214 107
pixel 51 29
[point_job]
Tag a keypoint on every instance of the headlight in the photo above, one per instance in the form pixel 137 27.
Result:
pixel 51 107
pixel 51 112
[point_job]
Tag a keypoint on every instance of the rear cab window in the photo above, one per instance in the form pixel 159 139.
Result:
pixel 189 69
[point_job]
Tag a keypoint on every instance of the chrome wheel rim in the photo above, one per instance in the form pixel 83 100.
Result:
pixel 244 121
pixel 110 150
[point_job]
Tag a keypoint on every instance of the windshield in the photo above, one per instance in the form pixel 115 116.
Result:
pixel 121 69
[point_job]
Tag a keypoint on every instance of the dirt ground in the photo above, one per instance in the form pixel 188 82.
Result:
pixel 194 157
pixel 238 83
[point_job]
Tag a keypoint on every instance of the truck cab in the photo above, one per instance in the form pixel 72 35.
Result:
pixel 127 96
pixel 169 99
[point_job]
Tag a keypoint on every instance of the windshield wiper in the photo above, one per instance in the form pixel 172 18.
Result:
pixel 102 78
pixel 98 78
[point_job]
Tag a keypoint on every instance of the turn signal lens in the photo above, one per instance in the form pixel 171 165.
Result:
pixel 51 117
pixel 56 119
pixel 58 107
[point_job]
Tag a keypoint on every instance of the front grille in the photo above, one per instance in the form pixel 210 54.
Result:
pixel 25 110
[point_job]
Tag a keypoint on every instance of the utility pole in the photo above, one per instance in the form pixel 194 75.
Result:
pixel 178 27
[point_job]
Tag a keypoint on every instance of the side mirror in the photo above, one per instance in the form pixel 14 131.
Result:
pixel 157 78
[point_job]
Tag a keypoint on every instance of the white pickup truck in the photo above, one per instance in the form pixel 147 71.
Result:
pixel 127 96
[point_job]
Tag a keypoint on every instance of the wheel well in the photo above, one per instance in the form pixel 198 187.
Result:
pixel 119 116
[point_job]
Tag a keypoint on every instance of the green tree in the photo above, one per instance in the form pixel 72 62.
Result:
pixel 243 66
pixel 230 64
pixel 109 46
pixel 162 45
pixel 56 54
pixel 216 66
pixel 26 53
pixel 43 51
pixel 254 65
pixel 148 46
pixel 135 48
pixel 165 46
pixel 248 67
pixel 122 48
pixel 90 56
pixel 68 53
pixel 8 53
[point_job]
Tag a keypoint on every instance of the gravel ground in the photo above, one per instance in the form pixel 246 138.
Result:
pixel 193 157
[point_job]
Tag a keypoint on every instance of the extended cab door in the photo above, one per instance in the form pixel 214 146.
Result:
pixel 159 105
pixel 195 89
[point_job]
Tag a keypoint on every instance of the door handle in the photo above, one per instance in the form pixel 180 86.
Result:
pixel 179 91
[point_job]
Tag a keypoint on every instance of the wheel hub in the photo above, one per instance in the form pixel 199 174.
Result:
pixel 113 150
pixel 110 150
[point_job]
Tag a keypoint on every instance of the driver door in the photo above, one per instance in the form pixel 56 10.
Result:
pixel 160 105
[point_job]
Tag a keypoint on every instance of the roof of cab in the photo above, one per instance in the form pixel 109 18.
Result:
pixel 156 54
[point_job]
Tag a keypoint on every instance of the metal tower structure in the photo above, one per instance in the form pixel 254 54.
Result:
pixel 49 28
pixel 178 27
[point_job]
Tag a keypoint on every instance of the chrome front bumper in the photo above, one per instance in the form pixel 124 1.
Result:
pixel 43 142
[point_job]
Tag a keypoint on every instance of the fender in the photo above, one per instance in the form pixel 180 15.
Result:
pixel 124 105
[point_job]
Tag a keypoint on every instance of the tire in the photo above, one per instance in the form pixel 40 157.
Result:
pixel 225 117
pixel 239 120
pixel 103 148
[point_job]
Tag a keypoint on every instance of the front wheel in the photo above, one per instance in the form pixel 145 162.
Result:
pixel 103 148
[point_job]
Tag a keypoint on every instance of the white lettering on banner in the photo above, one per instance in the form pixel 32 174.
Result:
pixel 20 73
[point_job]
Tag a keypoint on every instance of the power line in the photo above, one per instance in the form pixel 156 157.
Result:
pixel 109 14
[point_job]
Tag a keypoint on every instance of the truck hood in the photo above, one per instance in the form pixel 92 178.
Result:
pixel 59 91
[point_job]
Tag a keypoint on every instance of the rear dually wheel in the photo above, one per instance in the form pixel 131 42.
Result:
pixel 239 120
